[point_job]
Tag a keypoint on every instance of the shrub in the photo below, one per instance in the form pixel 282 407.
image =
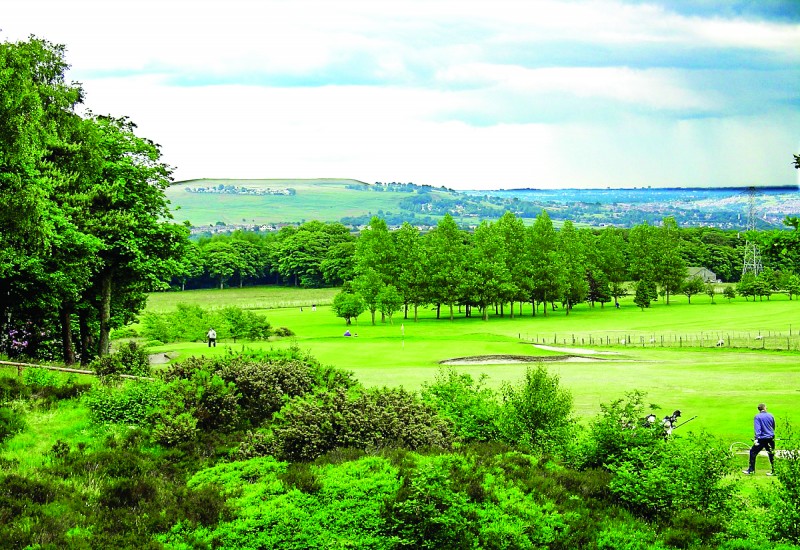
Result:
pixel 622 425
pixel 283 332
pixel 173 430
pixel 786 512
pixel 537 414
pixel 37 378
pixel 124 332
pixel 684 473
pixel 129 359
pixel 467 404
pixel 11 423
pixel 11 387
pixel 132 403
pixel 309 426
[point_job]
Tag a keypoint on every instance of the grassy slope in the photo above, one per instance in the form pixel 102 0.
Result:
pixel 324 200
pixel 720 385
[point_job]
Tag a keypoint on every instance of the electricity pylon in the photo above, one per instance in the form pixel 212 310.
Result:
pixel 752 255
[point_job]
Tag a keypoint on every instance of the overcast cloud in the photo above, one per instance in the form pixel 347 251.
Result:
pixel 465 94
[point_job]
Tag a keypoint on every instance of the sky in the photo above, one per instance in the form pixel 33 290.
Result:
pixel 498 94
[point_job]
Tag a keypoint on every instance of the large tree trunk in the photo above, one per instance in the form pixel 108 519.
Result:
pixel 65 316
pixel 104 345
pixel 85 338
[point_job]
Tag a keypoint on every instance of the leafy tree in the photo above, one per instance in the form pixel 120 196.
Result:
pixel 517 261
pixel 729 292
pixel 694 285
pixel 611 249
pixel 747 285
pixel 389 301
pixel 644 292
pixel 219 257
pixel 412 278
pixel 792 286
pixel 248 262
pixel 711 291
pixel 488 279
pixel 547 269
pixel 190 264
pixel 129 213
pixel 348 306
pixel 369 285
pixel 573 258
pixel 670 269
pixel 446 249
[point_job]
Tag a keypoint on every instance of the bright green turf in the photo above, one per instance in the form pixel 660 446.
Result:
pixel 720 385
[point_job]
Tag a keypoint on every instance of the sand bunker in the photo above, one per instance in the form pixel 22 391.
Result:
pixel 572 355
pixel 515 359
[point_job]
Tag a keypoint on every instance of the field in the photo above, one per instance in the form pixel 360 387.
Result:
pixel 667 351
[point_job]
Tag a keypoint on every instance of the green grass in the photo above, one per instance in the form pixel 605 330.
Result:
pixel 721 386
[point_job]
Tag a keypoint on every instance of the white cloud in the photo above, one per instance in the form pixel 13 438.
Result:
pixel 459 93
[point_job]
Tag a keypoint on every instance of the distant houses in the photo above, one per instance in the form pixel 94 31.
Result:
pixel 707 275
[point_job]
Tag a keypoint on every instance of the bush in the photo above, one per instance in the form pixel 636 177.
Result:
pixel 130 359
pixel 37 378
pixel 468 405
pixel 11 423
pixel 132 403
pixel 684 473
pixel 308 427
pixel 537 414
pixel 622 425
pixel 283 332
pixel 11 387
pixel 786 512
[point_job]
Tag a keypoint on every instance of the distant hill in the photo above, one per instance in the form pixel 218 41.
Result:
pixel 214 204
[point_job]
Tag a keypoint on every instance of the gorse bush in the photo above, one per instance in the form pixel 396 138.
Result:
pixel 309 426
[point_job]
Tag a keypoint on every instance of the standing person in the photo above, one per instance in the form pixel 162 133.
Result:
pixel 764 424
pixel 212 337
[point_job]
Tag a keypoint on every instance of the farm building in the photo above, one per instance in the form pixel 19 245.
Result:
pixel 706 274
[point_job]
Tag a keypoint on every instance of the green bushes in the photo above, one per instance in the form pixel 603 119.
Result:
pixel 11 423
pixel 309 426
pixel 130 359
pixel 471 408
pixel 191 323
pixel 537 414
pixel 686 473
pixel 132 403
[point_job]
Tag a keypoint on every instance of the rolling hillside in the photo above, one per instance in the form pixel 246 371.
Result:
pixel 210 204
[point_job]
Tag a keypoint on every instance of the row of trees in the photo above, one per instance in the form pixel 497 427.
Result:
pixel 85 227
pixel 507 262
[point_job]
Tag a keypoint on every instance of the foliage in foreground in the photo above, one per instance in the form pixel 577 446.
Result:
pixel 333 466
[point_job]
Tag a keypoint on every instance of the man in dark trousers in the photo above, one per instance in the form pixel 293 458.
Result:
pixel 764 425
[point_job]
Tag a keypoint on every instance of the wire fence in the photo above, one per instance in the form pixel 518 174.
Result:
pixel 767 340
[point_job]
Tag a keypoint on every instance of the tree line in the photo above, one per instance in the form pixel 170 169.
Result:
pixel 504 263
pixel 85 228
